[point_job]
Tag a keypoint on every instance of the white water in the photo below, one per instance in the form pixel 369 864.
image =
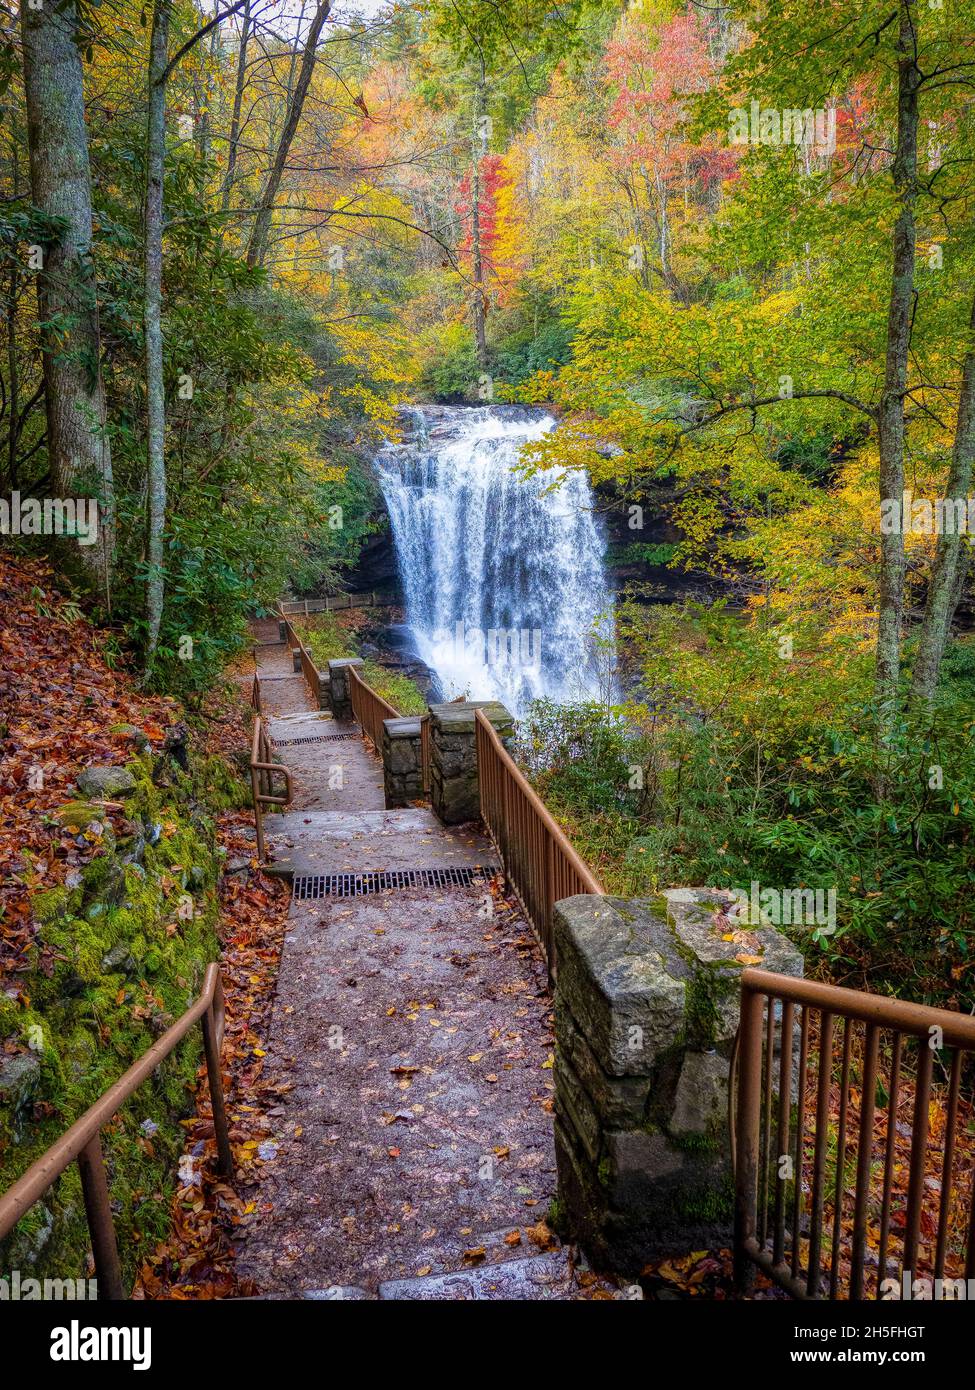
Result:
pixel 503 576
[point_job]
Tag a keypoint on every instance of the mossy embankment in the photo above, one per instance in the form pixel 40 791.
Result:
pixel 108 920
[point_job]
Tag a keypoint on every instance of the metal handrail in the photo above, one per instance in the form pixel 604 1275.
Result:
pixel 369 709
pixel 263 771
pixel 774 1232
pixel 256 693
pixel 309 669
pixel 539 861
pixel 82 1141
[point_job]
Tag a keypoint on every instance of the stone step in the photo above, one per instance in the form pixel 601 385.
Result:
pixel 450 1266
pixel 324 842
pixel 545 1275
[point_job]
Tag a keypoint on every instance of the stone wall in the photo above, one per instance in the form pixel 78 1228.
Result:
pixel 454 791
pixel 646 1010
pixel 402 761
pixel 338 683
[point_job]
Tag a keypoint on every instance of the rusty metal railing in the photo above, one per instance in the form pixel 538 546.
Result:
pixel 369 709
pixel 263 771
pixel 825 1205
pixel 539 862
pixel 82 1142
pixel 256 693
pixel 306 662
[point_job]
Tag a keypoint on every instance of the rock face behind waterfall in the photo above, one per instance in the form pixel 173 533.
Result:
pixel 502 575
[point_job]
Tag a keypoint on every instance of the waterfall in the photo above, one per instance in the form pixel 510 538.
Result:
pixel 503 575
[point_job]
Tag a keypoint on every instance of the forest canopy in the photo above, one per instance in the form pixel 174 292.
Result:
pixel 729 246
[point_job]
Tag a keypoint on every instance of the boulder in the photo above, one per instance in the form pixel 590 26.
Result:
pixel 20 1076
pixel 105 783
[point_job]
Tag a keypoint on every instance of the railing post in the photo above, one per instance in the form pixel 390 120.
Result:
pixel 504 839
pixel 549 906
pixel 225 1158
pixel 98 1210
pixel 747 1132
pixel 256 797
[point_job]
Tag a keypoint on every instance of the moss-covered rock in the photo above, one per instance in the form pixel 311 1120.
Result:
pixel 109 782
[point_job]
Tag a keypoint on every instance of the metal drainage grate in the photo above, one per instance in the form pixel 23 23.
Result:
pixel 313 738
pixel 380 880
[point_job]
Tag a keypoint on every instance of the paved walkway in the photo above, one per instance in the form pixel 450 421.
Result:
pixel 413 1157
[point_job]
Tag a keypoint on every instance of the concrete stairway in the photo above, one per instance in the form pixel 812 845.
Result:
pixel 411 1156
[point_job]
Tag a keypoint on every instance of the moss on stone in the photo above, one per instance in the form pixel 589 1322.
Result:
pixel 711 1204
pixel 696 1143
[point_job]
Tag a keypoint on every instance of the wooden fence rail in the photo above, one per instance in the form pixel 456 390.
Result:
pixel 539 862
pixel 336 603
pixel 369 709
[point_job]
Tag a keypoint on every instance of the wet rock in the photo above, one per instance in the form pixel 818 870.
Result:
pixel 106 783
pixel 119 960
pixel 134 849
pixel 176 745
pixel 20 1077
pixel 339 1293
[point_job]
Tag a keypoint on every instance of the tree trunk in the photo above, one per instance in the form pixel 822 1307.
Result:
pixel 947 573
pixel 155 390
pixel 257 246
pixel 204 121
pixel 79 453
pixel 234 139
pixel 289 85
pixel 890 417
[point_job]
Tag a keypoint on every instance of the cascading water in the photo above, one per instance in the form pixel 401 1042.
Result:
pixel 503 575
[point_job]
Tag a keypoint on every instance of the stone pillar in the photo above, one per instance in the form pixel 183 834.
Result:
pixel 282 630
pixel 646 1009
pixel 454 792
pixel 296 660
pixel 402 761
pixel 338 680
pixel 324 690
